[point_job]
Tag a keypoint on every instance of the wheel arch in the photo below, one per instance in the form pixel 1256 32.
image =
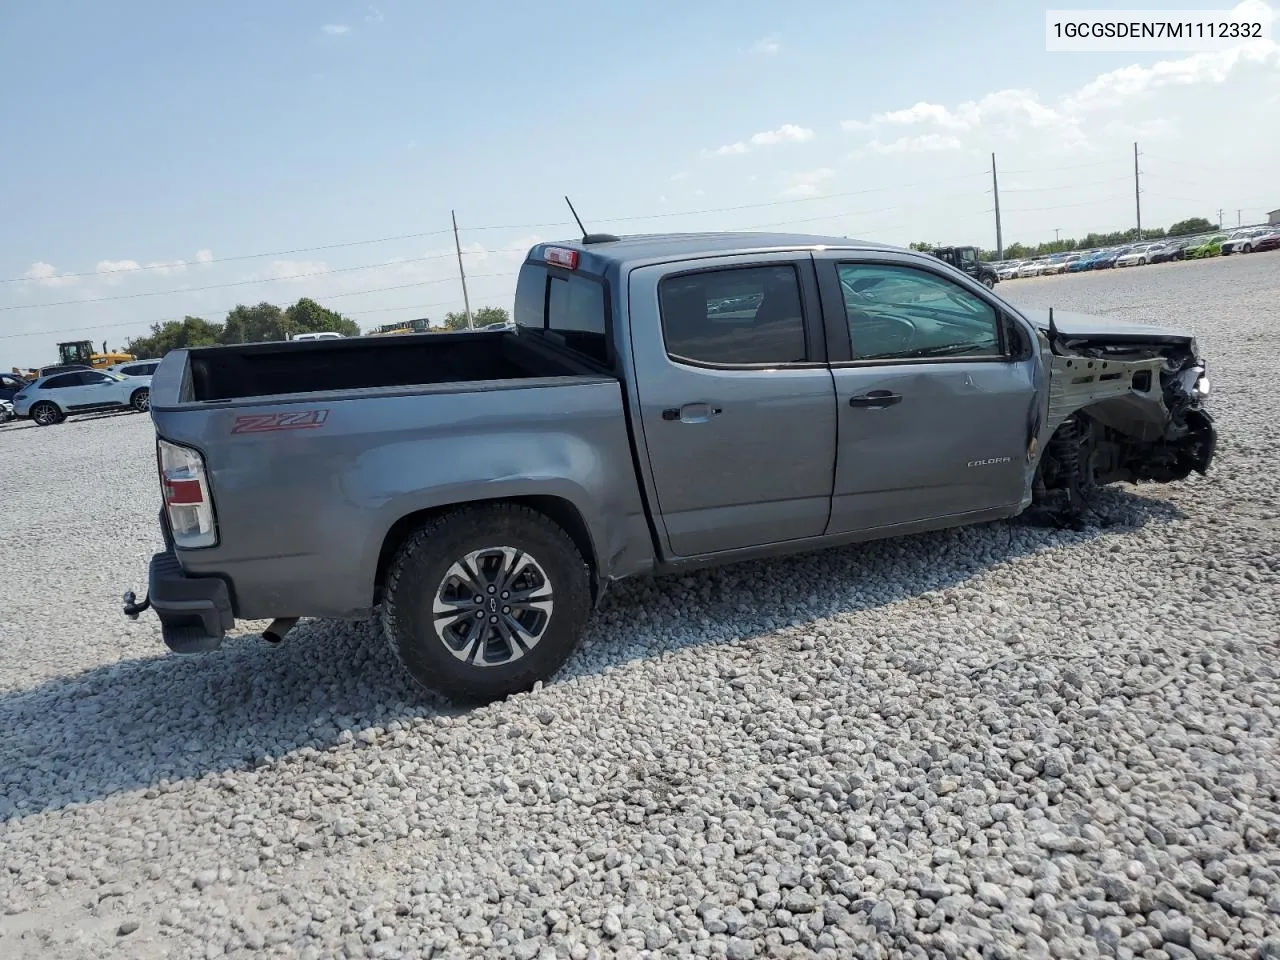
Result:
pixel 559 510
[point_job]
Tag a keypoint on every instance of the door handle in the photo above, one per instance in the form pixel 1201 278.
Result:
pixel 875 399
pixel 692 413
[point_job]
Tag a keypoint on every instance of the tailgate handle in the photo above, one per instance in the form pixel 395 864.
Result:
pixel 876 398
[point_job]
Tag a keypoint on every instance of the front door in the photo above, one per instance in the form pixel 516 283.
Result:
pixel 95 391
pixel 737 405
pixel 935 391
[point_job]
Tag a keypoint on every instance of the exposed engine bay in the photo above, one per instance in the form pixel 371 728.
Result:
pixel 1120 409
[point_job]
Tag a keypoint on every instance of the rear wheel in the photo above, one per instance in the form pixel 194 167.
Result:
pixel 46 414
pixel 140 400
pixel 989 283
pixel 483 602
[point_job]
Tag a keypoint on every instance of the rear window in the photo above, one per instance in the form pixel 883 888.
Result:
pixel 570 308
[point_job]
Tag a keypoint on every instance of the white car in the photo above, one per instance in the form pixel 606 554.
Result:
pixel 1008 271
pixel 1137 257
pixel 135 368
pixel 1031 268
pixel 6 411
pixel 52 399
pixel 321 335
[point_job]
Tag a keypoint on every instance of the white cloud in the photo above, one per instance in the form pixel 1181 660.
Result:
pixel 806 184
pixel 787 133
pixel 293 269
pixel 1019 112
pixel 1127 83
pixel 374 15
pixel 204 256
pixel 925 143
pixel 46 275
pixel 336 29
pixel 728 150
pixel 681 175
pixel 767 45
pixel 113 267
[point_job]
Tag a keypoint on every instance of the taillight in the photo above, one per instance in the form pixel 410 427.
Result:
pixel 561 257
pixel 186 495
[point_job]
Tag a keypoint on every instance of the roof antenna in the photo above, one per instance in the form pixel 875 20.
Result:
pixel 576 217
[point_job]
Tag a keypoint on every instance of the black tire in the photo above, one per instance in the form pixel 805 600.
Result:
pixel 423 576
pixel 140 399
pixel 988 283
pixel 46 414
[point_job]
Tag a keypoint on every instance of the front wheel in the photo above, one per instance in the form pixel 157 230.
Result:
pixel 1247 248
pixel 483 602
pixel 141 400
pixel 46 414
pixel 988 283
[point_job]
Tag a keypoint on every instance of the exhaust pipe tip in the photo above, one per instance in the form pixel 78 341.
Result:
pixel 277 628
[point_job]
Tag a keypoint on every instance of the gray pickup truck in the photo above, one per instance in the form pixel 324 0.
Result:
pixel 662 403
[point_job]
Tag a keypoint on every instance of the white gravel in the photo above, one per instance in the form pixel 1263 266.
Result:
pixel 992 742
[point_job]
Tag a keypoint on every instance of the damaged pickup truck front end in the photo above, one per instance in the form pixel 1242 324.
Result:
pixel 1126 403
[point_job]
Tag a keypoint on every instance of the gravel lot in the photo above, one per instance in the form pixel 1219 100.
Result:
pixel 992 742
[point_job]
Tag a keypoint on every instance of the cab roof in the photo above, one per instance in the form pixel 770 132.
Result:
pixel 601 250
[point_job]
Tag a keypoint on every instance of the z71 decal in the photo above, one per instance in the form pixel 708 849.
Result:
pixel 272 422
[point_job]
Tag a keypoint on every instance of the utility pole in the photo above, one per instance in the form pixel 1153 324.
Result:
pixel 995 189
pixel 1219 218
pixel 1137 192
pixel 1056 231
pixel 1238 212
pixel 466 302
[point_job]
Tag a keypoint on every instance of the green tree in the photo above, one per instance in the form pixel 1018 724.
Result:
pixel 922 245
pixel 307 316
pixel 175 334
pixel 1185 228
pixel 484 317
pixel 254 324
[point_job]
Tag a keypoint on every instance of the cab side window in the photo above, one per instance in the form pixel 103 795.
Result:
pixel 738 316
pixel 904 313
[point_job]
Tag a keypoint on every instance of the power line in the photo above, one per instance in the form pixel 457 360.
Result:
pixel 1062 206
pixel 245 256
pixel 1074 166
pixel 209 315
pixel 220 286
pixel 503 226
pixel 1062 186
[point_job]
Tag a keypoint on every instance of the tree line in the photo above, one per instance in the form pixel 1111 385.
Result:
pixel 266 321
pixel 1022 251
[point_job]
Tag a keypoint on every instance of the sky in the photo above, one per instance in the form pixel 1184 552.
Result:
pixel 165 159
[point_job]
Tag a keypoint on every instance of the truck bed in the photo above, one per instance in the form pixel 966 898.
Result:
pixel 272 369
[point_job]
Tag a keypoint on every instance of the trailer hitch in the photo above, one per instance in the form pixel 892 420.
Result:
pixel 131 606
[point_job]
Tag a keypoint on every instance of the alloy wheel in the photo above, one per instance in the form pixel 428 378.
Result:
pixel 493 606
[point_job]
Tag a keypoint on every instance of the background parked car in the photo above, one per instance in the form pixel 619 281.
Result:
pixel 10 384
pixel 137 368
pixel 1268 241
pixel 1106 259
pixel 1210 247
pixel 1136 257
pixel 52 399
pixel 1243 241
pixel 1167 251
pixel 6 411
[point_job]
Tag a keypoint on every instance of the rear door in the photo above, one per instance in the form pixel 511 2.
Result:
pixel 936 391
pixel 737 404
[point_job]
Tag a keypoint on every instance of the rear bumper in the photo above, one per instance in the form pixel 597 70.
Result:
pixel 195 612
